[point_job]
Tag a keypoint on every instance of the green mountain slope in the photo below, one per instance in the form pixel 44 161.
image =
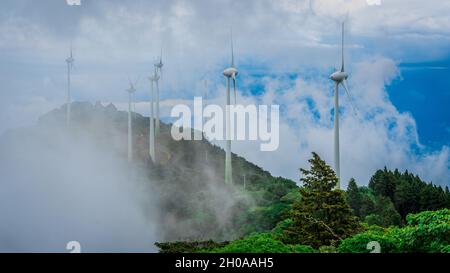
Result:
pixel 194 201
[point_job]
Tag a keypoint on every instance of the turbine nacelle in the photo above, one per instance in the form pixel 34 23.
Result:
pixel 159 64
pixel 339 76
pixel 70 60
pixel 131 90
pixel 230 72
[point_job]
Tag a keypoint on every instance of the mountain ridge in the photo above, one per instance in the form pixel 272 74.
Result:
pixel 194 200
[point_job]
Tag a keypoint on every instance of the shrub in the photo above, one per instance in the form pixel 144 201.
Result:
pixel 255 243
pixel 359 242
pixel 303 249
pixel 428 231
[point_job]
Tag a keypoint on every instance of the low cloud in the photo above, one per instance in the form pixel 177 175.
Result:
pixel 58 187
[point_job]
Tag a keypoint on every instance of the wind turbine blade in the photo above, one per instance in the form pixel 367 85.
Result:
pixel 232 49
pixel 342 69
pixel 206 90
pixel 344 84
pixel 137 81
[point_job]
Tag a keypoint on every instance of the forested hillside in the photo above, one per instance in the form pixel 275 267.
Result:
pixel 194 202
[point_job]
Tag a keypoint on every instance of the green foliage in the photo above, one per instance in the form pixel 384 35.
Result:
pixel 384 213
pixel 372 209
pixel 322 215
pixel 408 192
pixel 328 249
pixel 266 218
pixel 302 249
pixel 427 231
pixel 278 230
pixel 358 243
pixel 445 249
pixel 354 197
pixel 261 243
pixel 383 183
pixel 292 196
pixel 256 243
pixel 188 247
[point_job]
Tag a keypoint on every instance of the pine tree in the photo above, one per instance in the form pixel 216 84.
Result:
pixel 354 197
pixel 321 216
pixel 383 183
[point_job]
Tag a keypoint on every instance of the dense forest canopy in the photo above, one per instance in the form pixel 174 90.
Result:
pixel 398 211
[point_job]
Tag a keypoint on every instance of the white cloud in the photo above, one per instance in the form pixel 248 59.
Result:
pixel 115 39
pixel 379 136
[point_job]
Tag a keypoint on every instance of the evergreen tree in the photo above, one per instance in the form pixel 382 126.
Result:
pixel 383 183
pixel 354 197
pixel 384 213
pixel 408 192
pixel 406 197
pixel 367 201
pixel 447 197
pixel 322 216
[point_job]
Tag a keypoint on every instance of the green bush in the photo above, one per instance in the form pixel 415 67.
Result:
pixel 428 231
pixel 188 247
pixel 278 230
pixel 328 249
pixel 302 249
pixel 262 243
pixel 255 243
pixel 358 243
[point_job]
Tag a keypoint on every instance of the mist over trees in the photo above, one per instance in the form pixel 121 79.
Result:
pixel 78 185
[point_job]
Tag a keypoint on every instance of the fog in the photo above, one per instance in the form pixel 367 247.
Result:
pixel 61 184
pixel 58 187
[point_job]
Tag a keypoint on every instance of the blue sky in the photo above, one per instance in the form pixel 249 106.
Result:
pixel 424 90
pixel 397 53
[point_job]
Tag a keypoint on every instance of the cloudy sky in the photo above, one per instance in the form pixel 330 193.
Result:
pixel 397 52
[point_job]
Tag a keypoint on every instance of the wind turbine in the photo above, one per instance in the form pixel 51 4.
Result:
pixel 230 73
pixel 153 79
pixel 70 60
pixel 131 90
pixel 158 65
pixel 340 78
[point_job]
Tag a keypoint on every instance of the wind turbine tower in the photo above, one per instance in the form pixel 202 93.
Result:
pixel 158 65
pixel 153 79
pixel 340 78
pixel 205 99
pixel 230 74
pixel 131 92
pixel 70 60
